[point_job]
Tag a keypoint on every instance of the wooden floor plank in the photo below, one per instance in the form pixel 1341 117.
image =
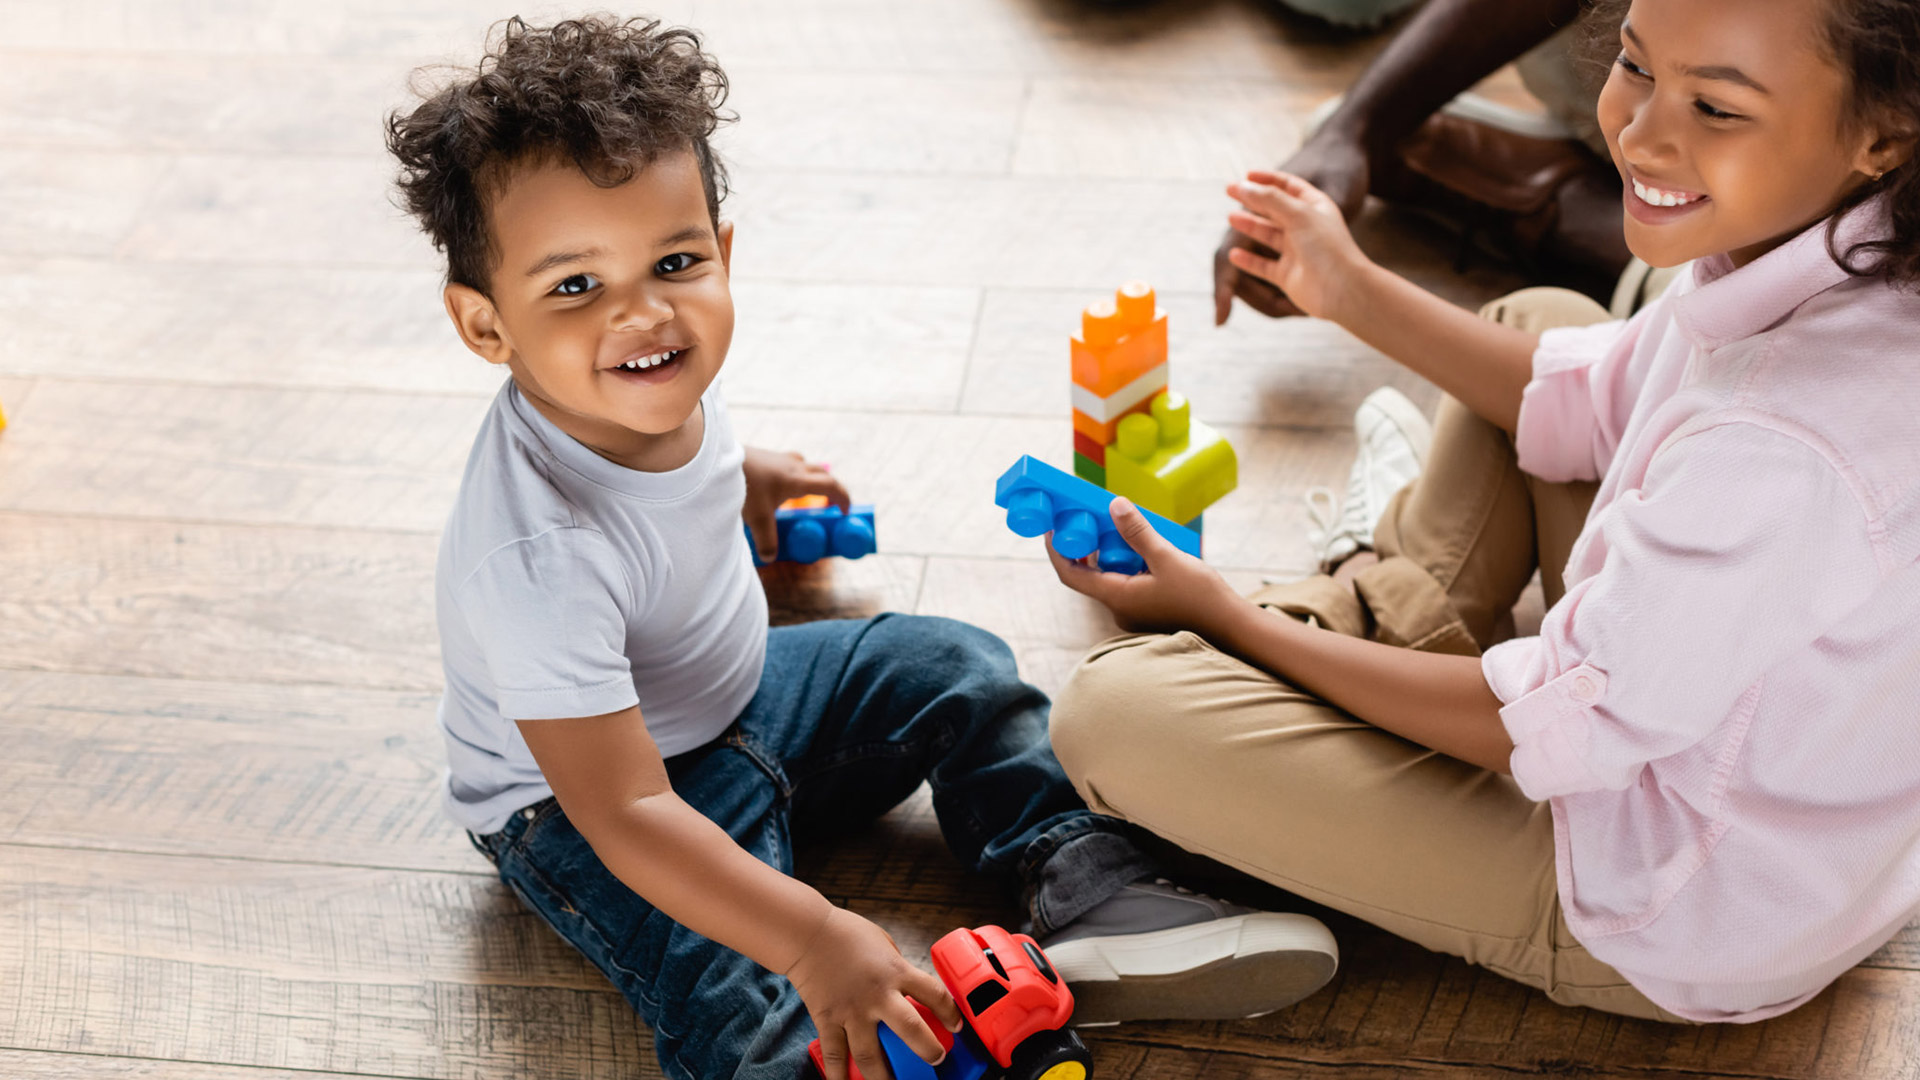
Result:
pixel 882 122
pixel 282 966
pixel 1174 129
pixel 185 103
pixel 120 597
pixel 404 33
pixel 68 1065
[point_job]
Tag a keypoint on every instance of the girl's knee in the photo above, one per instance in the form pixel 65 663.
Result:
pixel 1106 717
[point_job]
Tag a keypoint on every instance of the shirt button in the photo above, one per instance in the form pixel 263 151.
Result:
pixel 1585 688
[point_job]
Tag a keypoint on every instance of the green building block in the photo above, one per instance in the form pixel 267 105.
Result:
pixel 1169 463
pixel 1085 469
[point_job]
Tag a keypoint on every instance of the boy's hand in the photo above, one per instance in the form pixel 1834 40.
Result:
pixel 1319 266
pixel 1332 162
pixel 853 978
pixel 774 477
pixel 1177 592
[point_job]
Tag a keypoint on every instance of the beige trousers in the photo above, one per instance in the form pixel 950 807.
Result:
pixel 1225 760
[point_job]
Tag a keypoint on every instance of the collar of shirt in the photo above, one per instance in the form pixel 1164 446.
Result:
pixel 1727 304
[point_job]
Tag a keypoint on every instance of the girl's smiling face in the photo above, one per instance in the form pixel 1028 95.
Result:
pixel 1727 120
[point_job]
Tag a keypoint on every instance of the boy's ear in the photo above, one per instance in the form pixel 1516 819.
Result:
pixel 478 322
pixel 726 245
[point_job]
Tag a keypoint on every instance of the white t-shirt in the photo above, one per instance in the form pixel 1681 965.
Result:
pixel 571 586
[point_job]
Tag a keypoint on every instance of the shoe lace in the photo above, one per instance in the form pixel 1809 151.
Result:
pixel 1324 512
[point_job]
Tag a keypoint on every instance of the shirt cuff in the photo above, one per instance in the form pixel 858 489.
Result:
pixel 566 702
pixel 1550 724
pixel 1554 435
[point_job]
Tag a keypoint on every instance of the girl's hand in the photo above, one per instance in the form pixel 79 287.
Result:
pixel 774 477
pixel 852 978
pixel 1334 163
pixel 1319 267
pixel 1178 591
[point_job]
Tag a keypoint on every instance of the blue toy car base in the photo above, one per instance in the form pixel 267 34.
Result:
pixel 809 534
pixel 1039 498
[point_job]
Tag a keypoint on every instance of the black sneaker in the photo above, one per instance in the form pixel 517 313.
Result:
pixel 1155 951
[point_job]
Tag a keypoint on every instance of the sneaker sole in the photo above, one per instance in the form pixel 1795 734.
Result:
pixel 1223 969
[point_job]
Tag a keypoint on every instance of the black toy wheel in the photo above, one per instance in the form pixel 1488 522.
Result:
pixel 1051 1055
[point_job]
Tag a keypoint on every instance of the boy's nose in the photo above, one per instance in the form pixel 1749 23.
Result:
pixel 641 310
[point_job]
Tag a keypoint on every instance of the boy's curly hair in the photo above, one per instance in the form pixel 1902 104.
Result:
pixel 610 96
pixel 1876 45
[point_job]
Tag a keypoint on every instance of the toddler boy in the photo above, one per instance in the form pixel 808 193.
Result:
pixel 627 741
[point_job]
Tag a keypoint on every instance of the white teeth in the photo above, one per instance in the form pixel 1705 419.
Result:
pixel 650 360
pixel 1656 197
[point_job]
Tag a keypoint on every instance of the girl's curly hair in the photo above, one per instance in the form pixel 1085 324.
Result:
pixel 1876 45
pixel 611 96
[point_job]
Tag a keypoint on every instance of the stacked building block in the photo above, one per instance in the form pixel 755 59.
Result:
pixel 1132 433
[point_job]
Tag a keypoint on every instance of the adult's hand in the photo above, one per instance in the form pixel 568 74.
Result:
pixel 1337 165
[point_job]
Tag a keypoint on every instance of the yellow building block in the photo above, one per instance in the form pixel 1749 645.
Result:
pixel 1168 462
pixel 3 419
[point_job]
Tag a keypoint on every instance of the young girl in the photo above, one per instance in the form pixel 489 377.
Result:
pixel 1696 793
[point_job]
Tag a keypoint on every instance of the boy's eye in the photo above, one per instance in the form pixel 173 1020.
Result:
pixel 1712 113
pixel 1630 67
pixel 675 263
pixel 576 285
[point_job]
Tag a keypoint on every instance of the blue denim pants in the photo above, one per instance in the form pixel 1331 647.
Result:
pixel 851 716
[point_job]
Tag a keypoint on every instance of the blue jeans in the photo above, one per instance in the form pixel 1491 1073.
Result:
pixel 850 718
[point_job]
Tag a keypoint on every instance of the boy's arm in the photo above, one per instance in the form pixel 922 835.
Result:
pixel 609 777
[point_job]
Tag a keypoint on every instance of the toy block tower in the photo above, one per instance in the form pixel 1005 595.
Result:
pixel 1132 434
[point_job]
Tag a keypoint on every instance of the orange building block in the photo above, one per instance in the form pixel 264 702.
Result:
pixel 1120 340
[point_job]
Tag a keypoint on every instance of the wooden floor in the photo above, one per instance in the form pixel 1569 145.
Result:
pixel 238 419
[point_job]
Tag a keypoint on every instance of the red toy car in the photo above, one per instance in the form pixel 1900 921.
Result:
pixel 1015 1007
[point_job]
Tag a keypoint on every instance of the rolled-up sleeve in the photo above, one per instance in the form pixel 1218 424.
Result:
pixel 1575 407
pixel 1743 544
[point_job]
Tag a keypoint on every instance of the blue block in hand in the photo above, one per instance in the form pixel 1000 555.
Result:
pixel 1039 498
pixel 811 533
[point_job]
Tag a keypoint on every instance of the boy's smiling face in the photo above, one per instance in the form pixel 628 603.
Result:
pixel 609 305
pixel 1725 118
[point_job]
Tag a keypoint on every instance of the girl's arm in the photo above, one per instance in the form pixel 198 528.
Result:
pixel 1440 702
pixel 1485 365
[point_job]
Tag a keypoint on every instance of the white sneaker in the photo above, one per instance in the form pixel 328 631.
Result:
pixel 1394 437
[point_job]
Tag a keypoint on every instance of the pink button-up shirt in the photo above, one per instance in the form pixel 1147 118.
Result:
pixel 1724 709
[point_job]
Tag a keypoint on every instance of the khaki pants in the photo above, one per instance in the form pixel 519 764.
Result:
pixel 1228 761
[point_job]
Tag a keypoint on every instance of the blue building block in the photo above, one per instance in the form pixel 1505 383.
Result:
pixel 1039 498
pixel 811 533
pixel 966 1059
pixel 906 1064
